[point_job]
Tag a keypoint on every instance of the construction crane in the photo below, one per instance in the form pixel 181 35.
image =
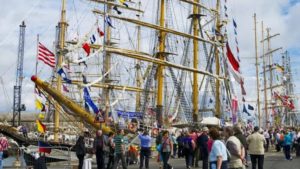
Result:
pixel 17 106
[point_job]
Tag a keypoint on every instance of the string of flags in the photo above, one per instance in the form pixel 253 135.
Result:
pixel 123 2
pixel 89 101
pixel 64 76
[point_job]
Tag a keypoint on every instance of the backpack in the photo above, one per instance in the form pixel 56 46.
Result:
pixel 187 145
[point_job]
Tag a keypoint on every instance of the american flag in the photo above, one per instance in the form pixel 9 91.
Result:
pixel 46 55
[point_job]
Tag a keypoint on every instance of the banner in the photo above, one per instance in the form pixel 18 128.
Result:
pixel 130 115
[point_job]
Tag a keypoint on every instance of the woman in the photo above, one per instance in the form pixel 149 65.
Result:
pixel 188 149
pixel 218 155
pixel 111 146
pixel 167 147
pixel 3 146
pixel 287 142
pixel 80 151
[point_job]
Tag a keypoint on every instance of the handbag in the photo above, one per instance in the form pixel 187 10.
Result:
pixel 5 154
pixel 228 155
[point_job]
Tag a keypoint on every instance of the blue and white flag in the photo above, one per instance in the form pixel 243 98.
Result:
pixel 93 39
pixel 63 74
pixel 89 101
pixel 108 21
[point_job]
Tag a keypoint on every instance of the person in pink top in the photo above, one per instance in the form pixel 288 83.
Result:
pixel 209 144
pixel 3 146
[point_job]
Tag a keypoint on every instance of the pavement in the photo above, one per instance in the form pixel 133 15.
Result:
pixel 273 160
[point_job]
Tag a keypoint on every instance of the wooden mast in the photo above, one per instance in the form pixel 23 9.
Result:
pixel 218 29
pixel 160 69
pixel 264 73
pixel 62 34
pixel 257 76
pixel 138 66
pixel 195 64
pixel 107 62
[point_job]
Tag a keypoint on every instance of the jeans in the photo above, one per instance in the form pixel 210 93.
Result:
pixel 100 159
pixel 213 165
pixel 145 154
pixel 188 159
pixel 180 153
pixel 205 162
pixel 118 157
pixel 80 160
pixel 267 144
pixel 165 158
pixel 255 158
pixel 174 150
pixel 287 152
pixel 1 162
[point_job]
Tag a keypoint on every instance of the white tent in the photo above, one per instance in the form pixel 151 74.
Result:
pixel 210 121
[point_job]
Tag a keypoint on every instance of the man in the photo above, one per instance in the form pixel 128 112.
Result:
pixel 256 143
pixel 235 148
pixel 203 147
pixel 188 149
pixel 267 137
pixel 98 148
pixel 119 149
pixel 180 145
pixel 145 149
pixel 175 143
pixel 3 146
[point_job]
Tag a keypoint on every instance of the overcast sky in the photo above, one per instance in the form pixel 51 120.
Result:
pixel 282 16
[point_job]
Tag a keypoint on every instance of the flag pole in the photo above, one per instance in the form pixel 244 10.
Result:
pixel 37 54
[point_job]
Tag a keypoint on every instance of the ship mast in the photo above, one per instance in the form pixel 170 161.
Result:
pixel 218 29
pixel 62 32
pixel 138 66
pixel 257 77
pixel 195 54
pixel 264 73
pixel 160 69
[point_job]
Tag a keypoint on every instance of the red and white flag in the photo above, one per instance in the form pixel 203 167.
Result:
pixel 46 55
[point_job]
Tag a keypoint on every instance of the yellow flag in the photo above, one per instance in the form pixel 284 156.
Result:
pixel 38 104
pixel 41 116
pixel 122 1
pixel 40 126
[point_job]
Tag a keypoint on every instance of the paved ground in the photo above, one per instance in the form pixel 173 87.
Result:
pixel 273 160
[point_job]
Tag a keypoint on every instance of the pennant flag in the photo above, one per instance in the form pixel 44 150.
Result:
pixel 86 107
pixel 82 62
pixel 237 49
pixel 245 110
pixel 225 7
pixel 210 100
pixel 236 41
pixel 84 80
pixel 89 101
pixel 100 32
pixel 44 147
pixel 279 68
pixel 40 126
pixel 124 3
pixel 93 39
pixel 46 55
pixel 63 74
pixel 250 107
pixel 234 63
pixel 234 23
pixel 86 47
pixel 235 32
pixel 39 105
pixel 108 21
pixel 117 10
pixel 65 89
pixel 41 116
pixel 243 99
pixel 243 88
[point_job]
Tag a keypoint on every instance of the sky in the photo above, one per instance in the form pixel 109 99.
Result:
pixel 41 17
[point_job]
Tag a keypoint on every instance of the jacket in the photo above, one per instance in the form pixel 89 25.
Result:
pixel 256 143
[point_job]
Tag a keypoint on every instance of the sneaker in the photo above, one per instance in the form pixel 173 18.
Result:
pixel 291 158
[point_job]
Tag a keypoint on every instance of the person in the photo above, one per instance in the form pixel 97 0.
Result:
pixel 80 151
pixel 166 149
pixel 111 153
pixel 235 148
pixel 267 138
pixel 119 149
pixel 98 148
pixel 3 146
pixel 256 143
pixel 24 131
pixel 180 145
pixel 175 145
pixel 203 147
pixel 239 134
pixel 218 155
pixel 188 149
pixel 287 142
pixel 145 149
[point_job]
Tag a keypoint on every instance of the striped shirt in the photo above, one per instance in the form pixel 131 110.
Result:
pixel 119 142
pixel 3 143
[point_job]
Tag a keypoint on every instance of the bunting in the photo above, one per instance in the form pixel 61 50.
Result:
pixel 40 126
pixel 100 32
pixel 124 3
pixel 108 21
pixel 117 10
pixel 245 110
pixel 93 39
pixel 89 101
pixel 63 74
pixel 86 47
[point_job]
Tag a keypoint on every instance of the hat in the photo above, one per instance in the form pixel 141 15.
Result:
pixel 205 129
